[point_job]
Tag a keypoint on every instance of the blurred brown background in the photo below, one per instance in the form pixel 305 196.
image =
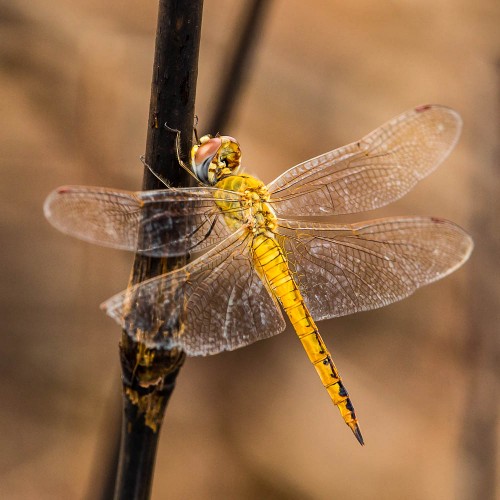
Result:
pixel 423 373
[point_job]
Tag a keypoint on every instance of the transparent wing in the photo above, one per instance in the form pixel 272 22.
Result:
pixel 224 303
pixel 157 223
pixel 343 269
pixel 372 172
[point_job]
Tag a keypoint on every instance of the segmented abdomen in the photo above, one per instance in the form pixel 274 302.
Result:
pixel 271 263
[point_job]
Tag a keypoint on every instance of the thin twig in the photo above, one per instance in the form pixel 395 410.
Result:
pixel 149 375
pixel 240 64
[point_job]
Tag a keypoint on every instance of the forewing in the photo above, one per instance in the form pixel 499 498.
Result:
pixel 222 302
pixel 156 223
pixel 369 173
pixel 350 268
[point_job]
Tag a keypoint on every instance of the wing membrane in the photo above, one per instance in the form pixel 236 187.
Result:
pixel 344 269
pixel 372 172
pixel 224 302
pixel 157 223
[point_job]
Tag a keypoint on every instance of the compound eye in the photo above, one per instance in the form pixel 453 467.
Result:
pixel 207 150
pixel 203 158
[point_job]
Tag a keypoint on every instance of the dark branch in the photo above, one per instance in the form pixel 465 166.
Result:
pixel 241 63
pixel 149 374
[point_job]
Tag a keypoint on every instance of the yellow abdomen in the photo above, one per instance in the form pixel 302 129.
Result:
pixel 271 263
pixel 250 208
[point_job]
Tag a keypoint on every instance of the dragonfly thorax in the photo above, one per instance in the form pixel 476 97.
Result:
pixel 249 207
pixel 215 158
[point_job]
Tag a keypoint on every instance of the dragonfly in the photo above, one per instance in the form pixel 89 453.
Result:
pixel 262 253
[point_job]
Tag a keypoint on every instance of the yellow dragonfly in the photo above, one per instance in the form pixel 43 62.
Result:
pixel 261 257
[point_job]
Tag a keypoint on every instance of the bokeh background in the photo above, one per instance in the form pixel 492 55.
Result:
pixel 255 423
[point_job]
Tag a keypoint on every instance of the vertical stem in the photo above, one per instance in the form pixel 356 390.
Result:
pixel 149 375
pixel 240 64
pixel 477 476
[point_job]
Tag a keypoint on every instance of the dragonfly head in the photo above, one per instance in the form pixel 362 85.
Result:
pixel 215 158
